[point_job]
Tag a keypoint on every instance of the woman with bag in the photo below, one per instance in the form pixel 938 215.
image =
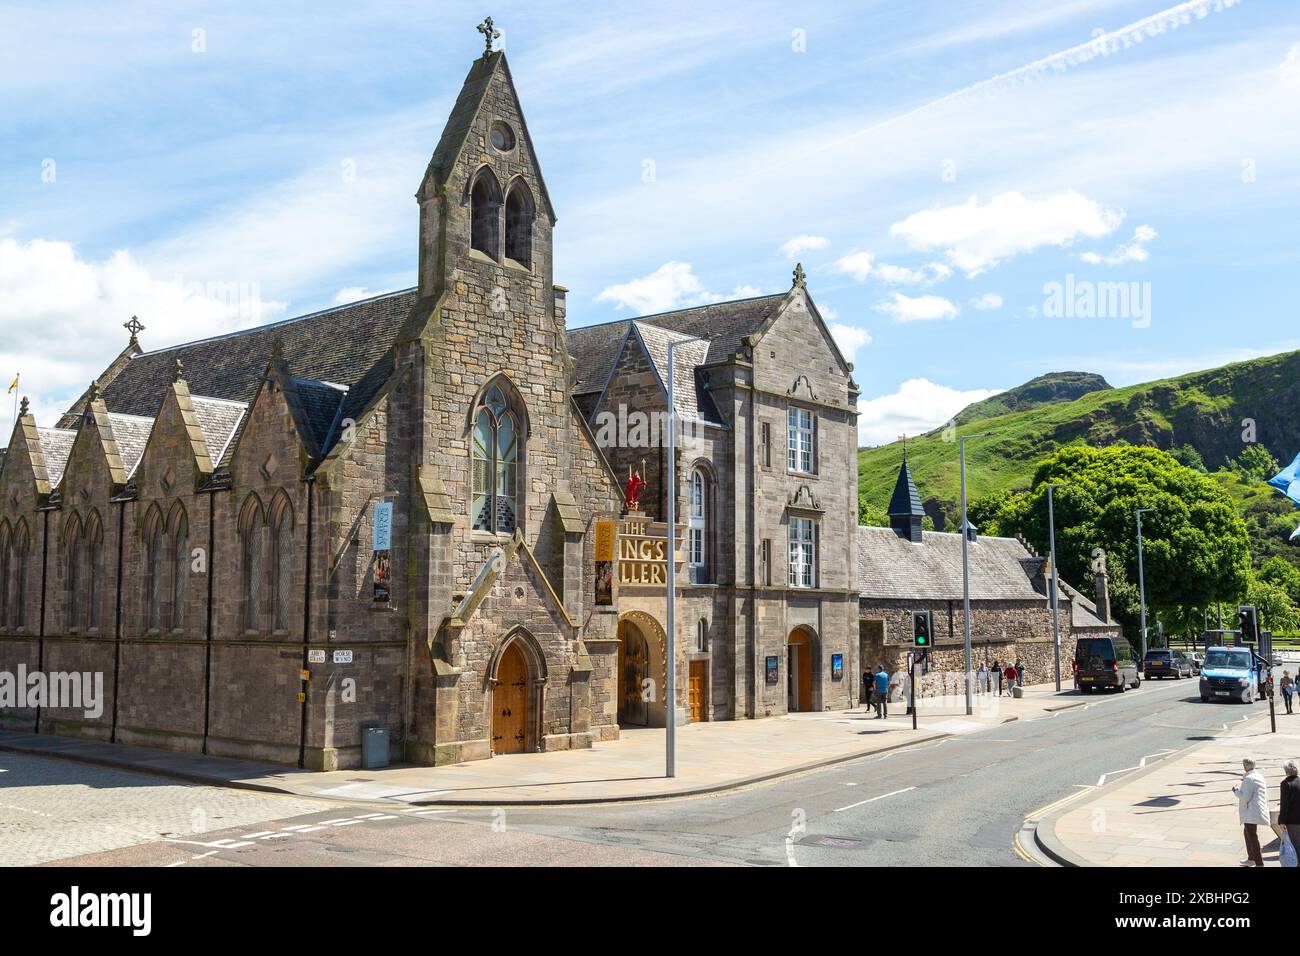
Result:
pixel 1288 817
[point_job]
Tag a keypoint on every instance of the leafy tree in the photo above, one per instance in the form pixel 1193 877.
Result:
pixel 1282 573
pixel 1256 463
pixel 994 513
pixel 1276 610
pixel 1196 547
pixel 1188 457
pixel 870 516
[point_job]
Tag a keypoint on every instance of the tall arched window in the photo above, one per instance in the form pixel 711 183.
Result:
pixel 6 566
pixel 496 447
pixel 697 528
pixel 180 561
pixel 75 555
pixel 485 215
pixel 251 548
pixel 21 543
pixel 519 225
pixel 153 571
pixel 282 572
pixel 94 569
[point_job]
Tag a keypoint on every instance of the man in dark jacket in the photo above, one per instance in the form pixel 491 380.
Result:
pixel 1289 812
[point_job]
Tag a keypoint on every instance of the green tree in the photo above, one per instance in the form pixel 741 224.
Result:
pixel 1276 610
pixel 870 516
pixel 1196 546
pixel 1188 457
pixel 1257 463
pixel 1282 573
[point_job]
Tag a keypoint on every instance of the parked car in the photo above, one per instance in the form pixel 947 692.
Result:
pixel 1198 661
pixel 1105 662
pixel 1229 674
pixel 1162 662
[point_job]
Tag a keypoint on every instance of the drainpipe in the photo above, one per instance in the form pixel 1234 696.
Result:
pixel 306 623
pixel 207 651
pixel 40 627
pixel 117 615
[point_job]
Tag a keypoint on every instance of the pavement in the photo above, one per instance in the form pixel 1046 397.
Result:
pixel 712 757
pixel 1174 808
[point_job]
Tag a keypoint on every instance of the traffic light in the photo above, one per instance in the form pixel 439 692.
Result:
pixel 922 629
pixel 1248 621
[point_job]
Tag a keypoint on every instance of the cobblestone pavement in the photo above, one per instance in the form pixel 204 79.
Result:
pixel 53 809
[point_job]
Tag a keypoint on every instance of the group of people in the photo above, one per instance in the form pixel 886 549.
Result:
pixel 1252 810
pixel 876 686
pixel 1009 676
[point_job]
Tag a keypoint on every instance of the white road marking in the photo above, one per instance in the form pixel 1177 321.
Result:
pixel 873 799
pixel 1141 764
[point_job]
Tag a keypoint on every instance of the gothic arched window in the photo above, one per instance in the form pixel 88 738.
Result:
pixel 21 544
pixel 282 571
pixel 496 452
pixel 519 225
pixel 74 555
pixel 153 571
pixel 6 566
pixel 251 559
pixel 485 215
pixel 94 569
pixel 180 541
pixel 697 527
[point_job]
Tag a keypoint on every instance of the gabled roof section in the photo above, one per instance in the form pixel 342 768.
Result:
pixel 456 134
pixel 799 292
pixel 131 434
pixel 317 406
pixel 890 567
pixel 346 345
pixel 219 420
pixel 56 445
pixel 689 395
pixel 595 348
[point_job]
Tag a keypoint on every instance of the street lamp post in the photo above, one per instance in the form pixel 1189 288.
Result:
pixel 1056 579
pixel 1142 581
pixel 965 574
pixel 670 746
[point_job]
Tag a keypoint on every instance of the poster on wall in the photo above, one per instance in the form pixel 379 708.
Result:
pixel 837 667
pixel 605 535
pixel 382 541
pixel 771 670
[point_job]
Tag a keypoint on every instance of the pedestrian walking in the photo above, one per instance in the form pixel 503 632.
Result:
pixel 867 681
pixel 982 677
pixel 1288 691
pixel 1020 673
pixel 882 692
pixel 1252 809
pixel 1010 675
pixel 997 672
pixel 1288 815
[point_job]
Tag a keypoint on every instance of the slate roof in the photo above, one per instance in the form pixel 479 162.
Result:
pixel 219 421
pixel 691 398
pixel 131 432
pixel 890 567
pixel 596 347
pixel 906 500
pixel 56 444
pixel 348 345
pixel 322 402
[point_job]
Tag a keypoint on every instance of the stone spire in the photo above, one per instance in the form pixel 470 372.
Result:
pixel 23 408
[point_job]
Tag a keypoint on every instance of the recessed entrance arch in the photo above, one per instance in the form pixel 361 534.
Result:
pixel 642 671
pixel 518 680
pixel 798 672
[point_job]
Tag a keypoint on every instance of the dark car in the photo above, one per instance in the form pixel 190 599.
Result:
pixel 1105 662
pixel 1162 663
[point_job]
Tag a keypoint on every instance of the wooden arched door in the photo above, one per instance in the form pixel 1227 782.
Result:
pixel 799 671
pixel 633 669
pixel 510 703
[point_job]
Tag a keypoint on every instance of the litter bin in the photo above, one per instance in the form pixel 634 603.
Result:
pixel 374 746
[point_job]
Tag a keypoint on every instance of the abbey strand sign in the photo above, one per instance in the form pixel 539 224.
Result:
pixel 638 549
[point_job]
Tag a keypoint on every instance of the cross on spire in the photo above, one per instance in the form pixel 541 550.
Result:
pixel 800 277
pixel 489 35
pixel 135 327
pixel 22 409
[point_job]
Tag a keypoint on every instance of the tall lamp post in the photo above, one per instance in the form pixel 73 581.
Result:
pixel 1142 581
pixel 670 746
pixel 1056 579
pixel 965 574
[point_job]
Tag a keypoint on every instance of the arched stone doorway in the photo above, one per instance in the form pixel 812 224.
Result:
pixel 798 671
pixel 517 683
pixel 642 671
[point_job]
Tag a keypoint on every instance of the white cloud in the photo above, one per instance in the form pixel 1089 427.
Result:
pixel 803 244
pixel 674 285
pixel 975 238
pixel 49 294
pixel 863 265
pixel 921 308
pixel 1290 68
pixel 849 338
pixel 986 302
pixel 1133 251
pixel 918 406
pixel 355 293
pixel 745 292
pixel 859 265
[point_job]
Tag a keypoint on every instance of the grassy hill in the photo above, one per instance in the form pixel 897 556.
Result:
pixel 1043 390
pixel 1203 409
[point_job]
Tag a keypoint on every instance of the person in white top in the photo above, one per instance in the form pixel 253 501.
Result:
pixel 1252 810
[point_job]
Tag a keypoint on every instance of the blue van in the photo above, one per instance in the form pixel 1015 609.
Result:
pixel 1229 674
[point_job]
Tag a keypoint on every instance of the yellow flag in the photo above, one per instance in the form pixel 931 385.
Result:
pixel 13 386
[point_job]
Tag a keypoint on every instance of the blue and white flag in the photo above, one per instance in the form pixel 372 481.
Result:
pixel 1295 534
pixel 1287 481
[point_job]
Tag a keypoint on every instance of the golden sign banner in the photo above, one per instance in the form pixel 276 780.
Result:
pixel 605 531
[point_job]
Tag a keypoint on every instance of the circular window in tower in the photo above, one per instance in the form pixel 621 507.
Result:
pixel 503 137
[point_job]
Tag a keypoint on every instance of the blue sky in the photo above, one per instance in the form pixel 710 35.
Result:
pixel 215 165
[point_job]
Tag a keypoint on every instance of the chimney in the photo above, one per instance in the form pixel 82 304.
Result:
pixel 1103 596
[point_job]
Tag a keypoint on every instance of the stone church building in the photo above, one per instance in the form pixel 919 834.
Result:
pixel 385 514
